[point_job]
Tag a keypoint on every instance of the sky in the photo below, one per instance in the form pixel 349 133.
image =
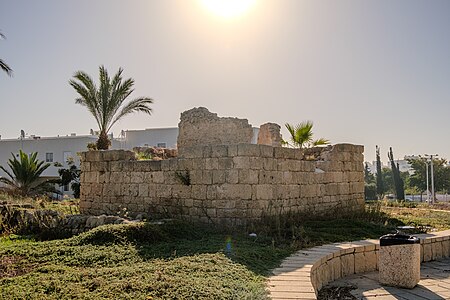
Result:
pixel 373 72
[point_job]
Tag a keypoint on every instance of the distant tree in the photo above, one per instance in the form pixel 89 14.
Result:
pixel 368 176
pixel 25 179
pixel 370 191
pixel 301 136
pixel 441 172
pixel 71 175
pixel 370 187
pixel 105 102
pixel 3 65
pixel 379 175
pixel 388 181
pixel 398 181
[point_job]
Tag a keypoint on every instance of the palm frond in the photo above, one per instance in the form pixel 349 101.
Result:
pixel 301 135
pixel 6 68
pixel 320 142
pixel 136 105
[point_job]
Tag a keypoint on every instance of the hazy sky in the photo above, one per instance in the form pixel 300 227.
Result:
pixel 366 72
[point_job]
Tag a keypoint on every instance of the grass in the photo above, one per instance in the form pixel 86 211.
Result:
pixel 421 217
pixel 177 260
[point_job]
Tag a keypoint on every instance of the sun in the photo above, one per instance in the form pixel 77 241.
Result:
pixel 228 8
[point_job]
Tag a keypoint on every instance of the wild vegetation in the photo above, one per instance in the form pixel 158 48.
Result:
pixel 106 102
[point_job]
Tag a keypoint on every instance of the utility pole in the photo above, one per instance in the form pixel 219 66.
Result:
pixel 428 188
pixel 432 176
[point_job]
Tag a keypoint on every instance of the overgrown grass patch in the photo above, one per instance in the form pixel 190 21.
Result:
pixel 143 261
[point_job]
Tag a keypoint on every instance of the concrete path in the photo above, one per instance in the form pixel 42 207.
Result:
pixel 434 284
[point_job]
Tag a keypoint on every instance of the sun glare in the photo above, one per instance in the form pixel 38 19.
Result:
pixel 228 8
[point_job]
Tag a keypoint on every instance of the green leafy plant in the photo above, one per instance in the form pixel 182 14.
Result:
pixel 184 177
pixel 106 102
pixel 25 179
pixel 301 136
pixel 71 175
pixel 144 156
pixel 92 146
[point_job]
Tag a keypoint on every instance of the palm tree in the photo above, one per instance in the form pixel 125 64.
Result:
pixel 25 178
pixel 105 102
pixel 302 136
pixel 3 65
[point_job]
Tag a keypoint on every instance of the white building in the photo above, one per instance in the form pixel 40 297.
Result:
pixel 150 137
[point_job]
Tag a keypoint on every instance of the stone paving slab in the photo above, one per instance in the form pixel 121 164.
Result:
pixel 434 284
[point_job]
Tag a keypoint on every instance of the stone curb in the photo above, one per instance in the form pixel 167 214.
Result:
pixel 304 273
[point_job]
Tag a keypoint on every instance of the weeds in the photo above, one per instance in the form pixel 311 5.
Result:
pixel 183 177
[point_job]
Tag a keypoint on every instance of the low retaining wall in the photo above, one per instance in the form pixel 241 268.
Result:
pixel 309 270
pixel 226 184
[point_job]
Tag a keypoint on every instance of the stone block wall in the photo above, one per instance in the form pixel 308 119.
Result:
pixel 230 184
pixel 199 126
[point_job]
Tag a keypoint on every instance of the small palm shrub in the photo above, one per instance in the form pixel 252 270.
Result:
pixel 25 176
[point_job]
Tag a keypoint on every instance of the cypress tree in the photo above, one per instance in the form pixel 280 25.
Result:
pixel 380 185
pixel 398 181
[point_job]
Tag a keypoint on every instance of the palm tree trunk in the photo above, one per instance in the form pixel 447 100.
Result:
pixel 103 141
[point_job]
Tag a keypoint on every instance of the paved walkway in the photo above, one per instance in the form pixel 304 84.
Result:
pixel 434 284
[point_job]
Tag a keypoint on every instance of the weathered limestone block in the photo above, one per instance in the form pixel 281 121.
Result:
pixel 116 155
pixel 241 162
pixel 269 134
pixel 219 150
pixel 248 176
pixel 264 191
pixel 348 264
pixel 256 163
pixel 234 191
pixel 399 265
pixel 198 126
pixel 181 191
pixel 427 252
pixel 436 249
pixel 371 260
pixel 232 176
pixel 218 176
pixel 211 163
pixel 283 152
pixel 446 247
pixel 199 192
pixel 249 150
pixel 225 163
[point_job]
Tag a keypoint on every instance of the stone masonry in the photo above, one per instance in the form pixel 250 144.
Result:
pixel 225 184
pixel 269 134
pixel 198 126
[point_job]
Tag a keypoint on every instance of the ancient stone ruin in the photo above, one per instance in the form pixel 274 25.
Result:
pixel 231 183
pixel 198 127
pixel 269 134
